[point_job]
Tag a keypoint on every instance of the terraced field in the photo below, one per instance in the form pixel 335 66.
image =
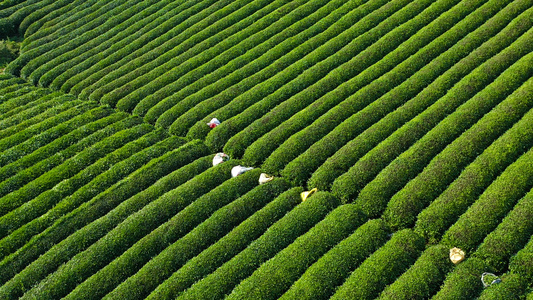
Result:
pixel 412 121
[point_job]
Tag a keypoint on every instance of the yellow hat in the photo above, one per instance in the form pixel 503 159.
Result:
pixel 457 255
pixel 307 194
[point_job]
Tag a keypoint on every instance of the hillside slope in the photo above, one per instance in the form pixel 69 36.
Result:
pixel 412 119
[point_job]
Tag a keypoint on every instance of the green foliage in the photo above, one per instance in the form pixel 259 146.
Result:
pixel 332 59
pixel 73 36
pixel 419 112
pixel 9 80
pixel 207 233
pixel 268 58
pixel 43 210
pixel 509 237
pixel 405 59
pixel 27 111
pixel 423 278
pixel 118 42
pixel 405 205
pixel 42 13
pixel 8 3
pixel 85 225
pixel 492 206
pixel 164 221
pixel 12 16
pixel 433 221
pixel 374 197
pixel 320 279
pixel 93 48
pixel 70 168
pixel 382 267
pixel 334 154
pixel 234 52
pixel 522 263
pixel 38 111
pixel 30 135
pixel 9 50
pixel 276 275
pixel 53 111
pixel 464 282
pixel 206 108
pixel 55 25
pixel 11 106
pixel 406 165
pixel 177 29
pixel 38 168
pixel 228 246
pixel 55 148
pixel 111 15
pixel 277 237
pixel 513 286
pixel 213 40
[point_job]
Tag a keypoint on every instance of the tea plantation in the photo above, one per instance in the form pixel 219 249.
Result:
pixel 411 123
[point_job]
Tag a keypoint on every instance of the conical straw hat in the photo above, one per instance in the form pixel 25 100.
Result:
pixel 307 194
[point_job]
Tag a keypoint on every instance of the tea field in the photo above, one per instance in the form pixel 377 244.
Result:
pixel 394 131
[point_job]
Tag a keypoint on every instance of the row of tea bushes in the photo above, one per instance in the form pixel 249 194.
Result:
pixel 278 236
pixel 50 54
pixel 444 168
pixel 511 235
pixel 91 51
pixel 13 106
pixel 300 130
pixel 70 116
pixel 476 177
pixel 27 114
pixel 12 13
pixel 78 230
pixel 374 197
pixel 275 276
pixel 382 267
pixel 254 119
pixel 521 263
pixel 159 34
pixel 228 246
pixel 334 154
pixel 349 185
pixel 39 16
pixel 140 234
pixel 242 48
pixel 423 278
pixel 36 168
pixel 164 37
pixel 58 27
pixel 60 149
pixel 45 209
pixel 513 286
pixel 207 233
pixel 464 281
pixel 214 39
pixel 81 30
pixel 255 103
pixel 22 121
pixel 495 202
pixel 321 278
pixel 318 80
pixel 71 167
pixel 316 53
pixel 493 255
pixel 127 39
pixel 280 54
